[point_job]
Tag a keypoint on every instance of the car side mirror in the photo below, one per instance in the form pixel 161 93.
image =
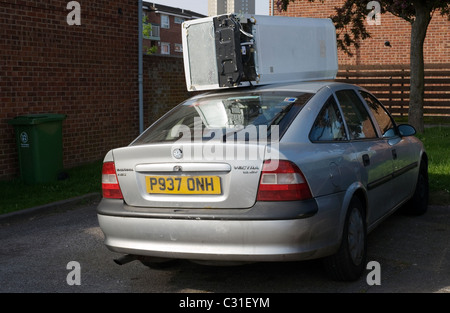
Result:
pixel 406 130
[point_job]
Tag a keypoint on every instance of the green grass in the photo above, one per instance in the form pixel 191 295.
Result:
pixel 437 145
pixel 16 195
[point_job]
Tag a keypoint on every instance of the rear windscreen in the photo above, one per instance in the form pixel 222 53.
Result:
pixel 225 116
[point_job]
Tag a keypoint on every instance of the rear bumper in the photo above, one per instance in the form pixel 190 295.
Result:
pixel 224 236
pixel 259 211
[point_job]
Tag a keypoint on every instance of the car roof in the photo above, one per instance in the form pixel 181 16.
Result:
pixel 311 86
pixel 308 87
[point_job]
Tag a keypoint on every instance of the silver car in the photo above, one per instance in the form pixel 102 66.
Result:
pixel 269 173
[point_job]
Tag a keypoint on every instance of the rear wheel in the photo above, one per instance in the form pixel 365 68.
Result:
pixel 349 262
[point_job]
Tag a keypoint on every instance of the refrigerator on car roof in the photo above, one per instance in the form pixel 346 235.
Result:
pixel 233 50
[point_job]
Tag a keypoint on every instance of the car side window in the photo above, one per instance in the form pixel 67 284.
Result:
pixel 358 120
pixel 384 120
pixel 329 125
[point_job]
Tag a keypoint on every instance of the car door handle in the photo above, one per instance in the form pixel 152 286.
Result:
pixel 366 159
pixel 394 154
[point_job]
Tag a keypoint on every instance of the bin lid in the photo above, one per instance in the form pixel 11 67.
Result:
pixel 33 119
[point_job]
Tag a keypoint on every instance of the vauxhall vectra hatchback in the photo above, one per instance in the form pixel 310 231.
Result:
pixel 270 173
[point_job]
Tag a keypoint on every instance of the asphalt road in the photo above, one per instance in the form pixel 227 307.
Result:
pixel 413 254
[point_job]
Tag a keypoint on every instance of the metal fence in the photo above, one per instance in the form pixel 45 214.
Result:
pixel 391 84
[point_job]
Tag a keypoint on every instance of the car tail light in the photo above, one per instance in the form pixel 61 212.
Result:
pixel 110 184
pixel 285 183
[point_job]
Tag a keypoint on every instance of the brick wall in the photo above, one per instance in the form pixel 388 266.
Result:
pixel 164 85
pixel 393 29
pixel 89 72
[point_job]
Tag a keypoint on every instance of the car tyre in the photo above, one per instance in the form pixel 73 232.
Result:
pixel 349 262
pixel 418 204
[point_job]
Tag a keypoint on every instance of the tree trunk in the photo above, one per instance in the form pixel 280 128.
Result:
pixel 418 33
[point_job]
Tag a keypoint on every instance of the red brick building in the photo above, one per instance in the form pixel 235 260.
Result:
pixel 166 27
pixel 393 29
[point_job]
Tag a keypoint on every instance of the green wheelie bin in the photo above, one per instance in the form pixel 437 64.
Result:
pixel 39 144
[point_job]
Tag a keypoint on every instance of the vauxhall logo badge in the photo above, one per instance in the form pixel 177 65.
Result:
pixel 177 153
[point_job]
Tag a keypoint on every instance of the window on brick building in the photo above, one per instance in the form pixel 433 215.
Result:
pixel 165 22
pixel 178 47
pixel 178 20
pixel 165 48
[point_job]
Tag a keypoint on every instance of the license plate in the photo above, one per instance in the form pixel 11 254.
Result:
pixel 186 185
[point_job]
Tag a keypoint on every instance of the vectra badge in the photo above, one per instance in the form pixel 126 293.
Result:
pixel 177 153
